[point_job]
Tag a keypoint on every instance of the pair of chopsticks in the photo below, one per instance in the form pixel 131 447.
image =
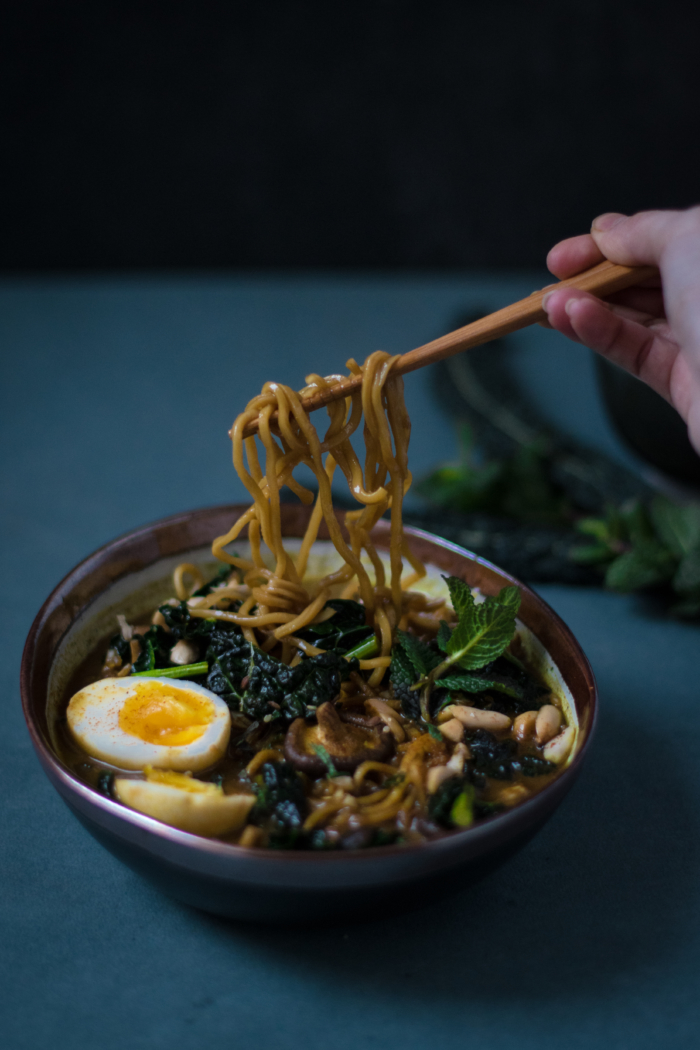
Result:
pixel 603 279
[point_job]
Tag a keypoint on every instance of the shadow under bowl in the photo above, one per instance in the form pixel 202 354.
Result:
pixel 262 884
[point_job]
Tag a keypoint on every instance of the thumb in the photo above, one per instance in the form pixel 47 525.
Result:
pixel 639 240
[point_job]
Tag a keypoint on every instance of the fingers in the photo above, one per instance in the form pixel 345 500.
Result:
pixel 571 256
pixel 649 300
pixel 642 349
pixel 641 239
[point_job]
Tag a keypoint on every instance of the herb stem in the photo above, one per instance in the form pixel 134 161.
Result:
pixel 184 671
pixel 363 650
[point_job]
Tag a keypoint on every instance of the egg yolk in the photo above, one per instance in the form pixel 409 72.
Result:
pixel 159 714
pixel 183 781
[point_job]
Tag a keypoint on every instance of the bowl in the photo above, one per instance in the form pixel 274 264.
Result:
pixel 130 575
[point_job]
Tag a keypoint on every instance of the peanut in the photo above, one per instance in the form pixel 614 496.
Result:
pixel 558 748
pixel 548 723
pixel 453 730
pixel 475 718
pixel 524 725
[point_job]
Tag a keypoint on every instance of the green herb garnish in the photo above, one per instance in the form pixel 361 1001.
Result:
pixel 326 759
pixel 364 650
pixel 484 630
pixel 185 671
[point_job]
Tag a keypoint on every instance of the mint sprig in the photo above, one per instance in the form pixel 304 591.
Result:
pixel 484 630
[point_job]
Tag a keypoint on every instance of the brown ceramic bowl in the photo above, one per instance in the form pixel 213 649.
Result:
pixel 270 885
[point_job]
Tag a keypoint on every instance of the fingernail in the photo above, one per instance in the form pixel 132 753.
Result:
pixel 606 221
pixel 568 305
pixel 545 300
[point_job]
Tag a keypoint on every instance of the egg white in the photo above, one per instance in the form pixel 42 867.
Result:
pixel 93 719
pixel 201 809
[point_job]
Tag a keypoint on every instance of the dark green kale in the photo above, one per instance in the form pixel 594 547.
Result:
pixel 452 805
pixel 229 661
pixel 281 804
pixel 264 686
pixel 534 766
pixel 381 837
pixel 517 689
pixel 490 757
pixel 222 575
pixel 122 647
pixel 260 686
pixel 318 840
pixel 343 631
pixel 487 809
pixel 313 681
pixel 193 628
pixel 156 644
pixel 402 677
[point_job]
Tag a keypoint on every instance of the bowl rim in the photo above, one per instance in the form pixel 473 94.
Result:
pixel 216 848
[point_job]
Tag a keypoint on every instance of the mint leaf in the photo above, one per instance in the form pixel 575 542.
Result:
pixel 484 630
pixel 687 578
pixel 636 520
pixel 647 564
pixel 472 683
pixel 678 527
pixel 591 553
pixel 443 635
pixel 422 658
pixel 596 527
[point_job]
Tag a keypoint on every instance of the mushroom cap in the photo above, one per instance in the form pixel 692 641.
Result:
pixel 347 745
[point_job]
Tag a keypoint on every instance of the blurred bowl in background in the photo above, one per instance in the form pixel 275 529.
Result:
pixel 647 424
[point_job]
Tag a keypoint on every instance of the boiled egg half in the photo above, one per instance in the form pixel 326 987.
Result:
pixel 184 802
pixel 162 722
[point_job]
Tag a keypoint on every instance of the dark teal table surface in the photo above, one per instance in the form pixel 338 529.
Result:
pixel 116 398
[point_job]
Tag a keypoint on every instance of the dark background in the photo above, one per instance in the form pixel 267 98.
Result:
pixel 389 133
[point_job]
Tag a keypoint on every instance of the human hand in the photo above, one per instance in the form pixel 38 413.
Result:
pixel 653 330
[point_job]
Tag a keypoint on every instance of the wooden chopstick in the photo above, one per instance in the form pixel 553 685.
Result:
pixel 603 279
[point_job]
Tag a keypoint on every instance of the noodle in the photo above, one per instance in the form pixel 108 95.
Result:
pixel 278 595
pixel 322 732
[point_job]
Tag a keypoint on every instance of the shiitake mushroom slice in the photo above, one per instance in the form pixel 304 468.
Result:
pixel 346 745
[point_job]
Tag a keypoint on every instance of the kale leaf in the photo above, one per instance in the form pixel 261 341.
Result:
pixel 534 766
pixel 491 757
pixel 517 689
pixel 261 686
pixel 193 628
pixel 452 805
pixel 281 800
pixel 342 631
pixel 122 647
pixel 312 682
pixel 402 677
pixel 221 578
pixel 156 644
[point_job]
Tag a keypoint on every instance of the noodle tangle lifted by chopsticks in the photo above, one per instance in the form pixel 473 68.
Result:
pixel 278 601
